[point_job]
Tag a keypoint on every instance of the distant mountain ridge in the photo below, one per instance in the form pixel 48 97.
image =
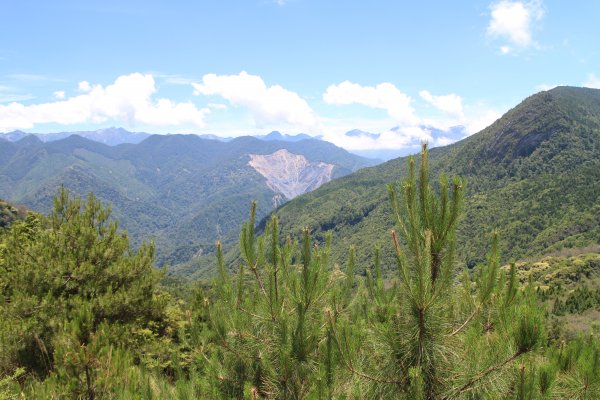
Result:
pixel 183 191
pixel 110 136
pixel 275 135
pixel 114 136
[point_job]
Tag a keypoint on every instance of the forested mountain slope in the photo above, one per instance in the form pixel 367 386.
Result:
pixel 533 175
pixel 182 191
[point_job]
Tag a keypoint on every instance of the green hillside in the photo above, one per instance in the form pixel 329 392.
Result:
pixel 533 175
pixel 182 191
pixel 568 285
pixel 86 317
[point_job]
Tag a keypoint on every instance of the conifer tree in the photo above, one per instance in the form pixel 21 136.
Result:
pixel 427 339
pixel 269 322
pixel 64 277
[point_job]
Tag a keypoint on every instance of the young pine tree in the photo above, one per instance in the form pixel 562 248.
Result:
pixel 270 332
pixel 429 337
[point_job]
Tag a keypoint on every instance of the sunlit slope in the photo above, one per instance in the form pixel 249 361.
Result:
pixel 533 175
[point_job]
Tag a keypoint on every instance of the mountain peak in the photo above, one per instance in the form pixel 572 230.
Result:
pixel 276 135
pixel 28 140
pixel 13 136
pixel 545 120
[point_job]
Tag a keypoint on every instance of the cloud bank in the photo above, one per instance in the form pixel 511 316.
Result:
pixel 384 96
pixel 231 99
pixel 129 100
pixel 269 105
pixel 450 104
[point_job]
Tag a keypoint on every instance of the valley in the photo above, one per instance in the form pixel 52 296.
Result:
pixel 183 192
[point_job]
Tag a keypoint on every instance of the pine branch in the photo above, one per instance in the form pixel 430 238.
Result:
pixel 401 260
pixel 348 362
pixel 252 314
pixel 460 328
pixel 467 386
pixel 260 283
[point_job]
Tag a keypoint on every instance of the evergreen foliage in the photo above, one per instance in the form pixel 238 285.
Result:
pixel 429 338
pixel 10 213
pixel 71 290
pixel 83 316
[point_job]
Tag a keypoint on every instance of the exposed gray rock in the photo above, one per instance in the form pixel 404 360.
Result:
pixel 291 174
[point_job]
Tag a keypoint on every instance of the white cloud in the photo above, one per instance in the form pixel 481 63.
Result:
pixel 592 82
pixel 59 94
pixel 84 86
pixel 384 96
pixel 481 120
pixel 269 105
pixel 473 117
pixel 392 139
pixel 443 141
pixel 412 128
pixel 449 104
pixel 512 21
pixel 128 100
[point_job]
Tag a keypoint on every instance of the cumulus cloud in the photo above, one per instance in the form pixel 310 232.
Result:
pixel 128 100
pixel 392 139
pixel 217 106
pixel 84 86
pixel 269 105
pixel 384 96
pixel 449 104
pixel 444 141
pixel 592 82
pixel 59 94
pixel 512 22
pixel 456 121
pixel 481 119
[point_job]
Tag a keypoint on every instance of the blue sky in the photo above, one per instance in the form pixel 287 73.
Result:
pixel 317 66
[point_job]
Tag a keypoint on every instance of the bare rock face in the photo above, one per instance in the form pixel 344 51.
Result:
pixel 291 174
